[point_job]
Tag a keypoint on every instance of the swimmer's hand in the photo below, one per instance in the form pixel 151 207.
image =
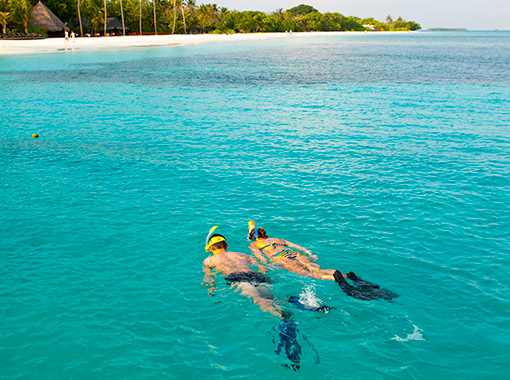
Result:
pixel 262 269
pixel 211 289
pixel 307 251
pixel 313 257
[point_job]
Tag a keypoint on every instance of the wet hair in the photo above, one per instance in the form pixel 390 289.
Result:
pixel 220 244
pixel 262 234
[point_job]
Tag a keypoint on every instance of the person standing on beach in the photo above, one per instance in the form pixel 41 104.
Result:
pixel 73 36
pixel 235 267
pixel 66 37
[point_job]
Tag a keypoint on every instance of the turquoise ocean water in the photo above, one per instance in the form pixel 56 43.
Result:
pixel 385 154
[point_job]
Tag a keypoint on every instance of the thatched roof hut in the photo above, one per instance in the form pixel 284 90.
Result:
pixel 45 19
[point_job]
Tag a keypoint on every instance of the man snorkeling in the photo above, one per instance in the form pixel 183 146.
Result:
pixel 235 267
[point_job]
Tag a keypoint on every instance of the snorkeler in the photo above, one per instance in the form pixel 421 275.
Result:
pixel 285 254
pixel 235 267
pixel 289 256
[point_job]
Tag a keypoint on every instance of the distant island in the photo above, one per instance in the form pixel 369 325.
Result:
pixel 447 29
pixel 111 17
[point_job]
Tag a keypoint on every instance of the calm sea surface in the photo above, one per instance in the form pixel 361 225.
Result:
pixel 385 154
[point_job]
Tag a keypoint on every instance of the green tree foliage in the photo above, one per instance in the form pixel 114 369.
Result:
pixel 20 12
pixel 401 25
pixel 301 10
pixel 186 16
pixel 5 17
pixel 65 10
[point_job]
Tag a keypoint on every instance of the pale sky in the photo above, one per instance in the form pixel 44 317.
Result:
pixel 470 14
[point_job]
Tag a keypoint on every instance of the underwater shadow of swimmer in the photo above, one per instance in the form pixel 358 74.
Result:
pixel 363 290
pixel 288 334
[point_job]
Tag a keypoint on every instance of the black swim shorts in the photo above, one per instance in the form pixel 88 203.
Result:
pixel 253 278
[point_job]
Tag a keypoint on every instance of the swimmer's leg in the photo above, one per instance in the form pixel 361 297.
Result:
pixel 288 340
pixel 261 296
pixel 293 265
pixel 307 263
pixel 323 274
pixel 351 290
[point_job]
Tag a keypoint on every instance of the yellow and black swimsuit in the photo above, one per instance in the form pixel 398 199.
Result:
pixel 287 253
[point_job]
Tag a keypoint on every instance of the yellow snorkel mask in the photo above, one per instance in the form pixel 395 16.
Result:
pixel 214 239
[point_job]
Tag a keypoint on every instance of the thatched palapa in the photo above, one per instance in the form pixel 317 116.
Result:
pixel 45 19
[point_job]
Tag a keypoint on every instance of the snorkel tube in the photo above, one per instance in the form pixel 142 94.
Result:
pixel 251 226
pixel 208 236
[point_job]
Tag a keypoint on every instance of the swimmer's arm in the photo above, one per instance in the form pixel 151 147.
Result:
pixel 258 254
pixel 209 281
pixel 261 268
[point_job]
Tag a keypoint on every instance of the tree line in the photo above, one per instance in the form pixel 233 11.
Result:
pixel 186 16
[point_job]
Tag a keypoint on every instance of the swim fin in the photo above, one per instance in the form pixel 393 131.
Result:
pixel 374 288
pixel 321 309
pixel 350 290
pixel 363 289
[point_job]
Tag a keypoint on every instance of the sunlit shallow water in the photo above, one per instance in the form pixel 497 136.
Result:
pixel 387 155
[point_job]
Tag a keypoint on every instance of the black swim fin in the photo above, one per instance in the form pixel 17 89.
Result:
pixel 350 290
pixel 375 290
pixel 321 309
pixel 363 290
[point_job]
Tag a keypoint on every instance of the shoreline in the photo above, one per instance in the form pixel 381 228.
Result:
pixel 55 45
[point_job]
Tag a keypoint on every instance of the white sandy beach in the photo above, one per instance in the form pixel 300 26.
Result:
pixel 52 45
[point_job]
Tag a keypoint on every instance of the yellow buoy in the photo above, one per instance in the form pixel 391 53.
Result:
pixel 35 135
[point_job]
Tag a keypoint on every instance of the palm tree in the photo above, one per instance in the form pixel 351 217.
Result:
pixel 97 19
pixel 279 18
pixel 222 17
pixel 183 18
pixel 140 17
pixel 105 18
pixel 191 8
pixel 175 16
pixel 5 17
pixel 155 24
pixel 122 17
pixel 79 18
pixel 22 12
pixel 25 16
pixel 205 14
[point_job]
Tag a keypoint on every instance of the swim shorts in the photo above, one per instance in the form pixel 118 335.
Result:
pixel 253 278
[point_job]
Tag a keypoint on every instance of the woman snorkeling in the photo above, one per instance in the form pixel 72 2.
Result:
pixel 290 256
pixel 286 254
